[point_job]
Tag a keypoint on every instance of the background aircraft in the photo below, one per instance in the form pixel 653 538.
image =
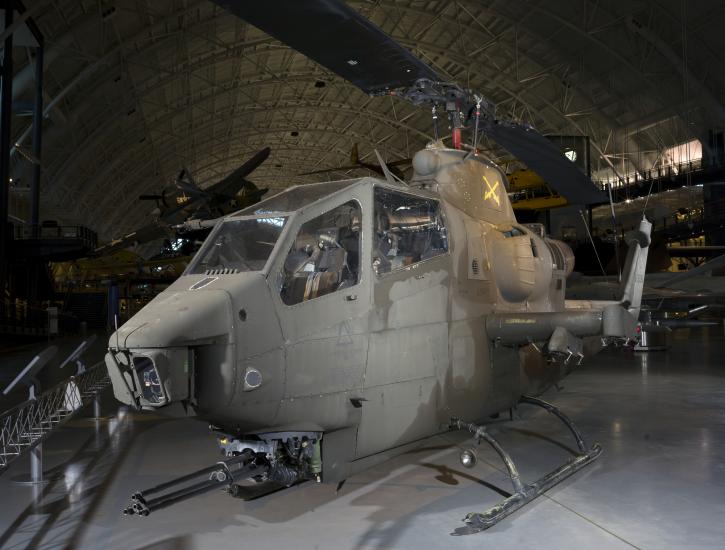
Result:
pixel 185 200
pixel 355 162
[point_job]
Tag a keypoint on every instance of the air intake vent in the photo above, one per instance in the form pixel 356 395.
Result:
pixel 224 271
pixel 475 268
pixel 201 284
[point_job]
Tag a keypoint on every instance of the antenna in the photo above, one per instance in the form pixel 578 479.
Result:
pixel 435 123
pixel 386 171
pixel 616 236
pixel 649 194
pixel 594 246
pixel 478 117
pixel 115 321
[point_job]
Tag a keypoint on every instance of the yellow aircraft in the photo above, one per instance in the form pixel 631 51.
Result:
pixel 121 263
pixel 529 191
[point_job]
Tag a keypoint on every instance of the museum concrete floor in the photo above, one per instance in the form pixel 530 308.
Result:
pixel 660 482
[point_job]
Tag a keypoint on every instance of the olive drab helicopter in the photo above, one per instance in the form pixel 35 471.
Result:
pixel 334 321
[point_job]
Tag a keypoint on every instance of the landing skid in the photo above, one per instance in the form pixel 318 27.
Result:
pixel 524 492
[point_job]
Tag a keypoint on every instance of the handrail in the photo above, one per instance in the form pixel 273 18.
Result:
pixel 76 232
pixel 26 425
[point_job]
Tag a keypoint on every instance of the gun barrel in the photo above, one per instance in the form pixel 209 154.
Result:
pixel 221 474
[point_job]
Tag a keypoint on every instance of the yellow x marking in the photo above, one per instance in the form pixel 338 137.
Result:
pixel 491 193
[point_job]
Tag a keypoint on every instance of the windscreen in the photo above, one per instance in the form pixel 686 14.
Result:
pixel 238 245
pixel 296 197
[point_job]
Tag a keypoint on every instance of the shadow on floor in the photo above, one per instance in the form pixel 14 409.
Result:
pixel 62 509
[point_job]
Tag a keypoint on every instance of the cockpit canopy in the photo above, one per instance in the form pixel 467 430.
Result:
pixel 317 231
pixel 296 198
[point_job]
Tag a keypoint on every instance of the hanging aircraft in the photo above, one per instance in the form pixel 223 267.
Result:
pixel 664 291
pixel 529 191
pixel 185 200
pixel 356 163
pixel 331 325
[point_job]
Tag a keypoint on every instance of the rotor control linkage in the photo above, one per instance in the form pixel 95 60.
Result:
pixel 523 492
pixel 221 474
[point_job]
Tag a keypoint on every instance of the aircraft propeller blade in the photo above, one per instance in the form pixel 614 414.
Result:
pixel 186 183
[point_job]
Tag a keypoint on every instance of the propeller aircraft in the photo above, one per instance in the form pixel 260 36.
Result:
pixel 334 324
pixel 356 163
pixel 184 200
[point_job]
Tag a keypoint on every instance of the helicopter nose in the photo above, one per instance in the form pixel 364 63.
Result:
pixel 179 318
pixel 151 358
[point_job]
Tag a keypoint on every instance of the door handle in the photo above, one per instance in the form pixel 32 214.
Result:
pixel 351 297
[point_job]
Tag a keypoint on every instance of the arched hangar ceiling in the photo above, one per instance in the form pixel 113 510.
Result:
pixel 138 89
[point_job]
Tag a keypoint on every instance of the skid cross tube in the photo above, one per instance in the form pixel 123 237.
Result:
pixel 525 492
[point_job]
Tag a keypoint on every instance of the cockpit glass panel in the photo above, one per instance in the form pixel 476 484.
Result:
pixel 295 198
pixel 238 245
pixel 325 256
pixel 408 229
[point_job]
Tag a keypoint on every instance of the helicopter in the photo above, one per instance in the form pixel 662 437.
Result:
pixel 327 327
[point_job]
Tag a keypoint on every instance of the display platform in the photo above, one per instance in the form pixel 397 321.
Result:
pixel 659 483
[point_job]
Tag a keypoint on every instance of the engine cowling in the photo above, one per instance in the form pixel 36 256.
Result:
pixel 562 255
pixel 520 264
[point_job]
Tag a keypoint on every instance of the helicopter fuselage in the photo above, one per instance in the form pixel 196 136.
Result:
pixel 388 341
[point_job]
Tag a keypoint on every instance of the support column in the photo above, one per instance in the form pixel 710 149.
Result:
pixel 6 103
pixel 37 142
pixel 713 194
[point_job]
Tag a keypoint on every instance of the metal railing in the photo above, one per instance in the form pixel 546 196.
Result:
pixel 676 226
pixel 74 232
pixel 26 425
pixel 662 178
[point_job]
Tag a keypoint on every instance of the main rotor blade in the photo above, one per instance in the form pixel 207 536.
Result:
pixel 545 158
pixel 337 37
